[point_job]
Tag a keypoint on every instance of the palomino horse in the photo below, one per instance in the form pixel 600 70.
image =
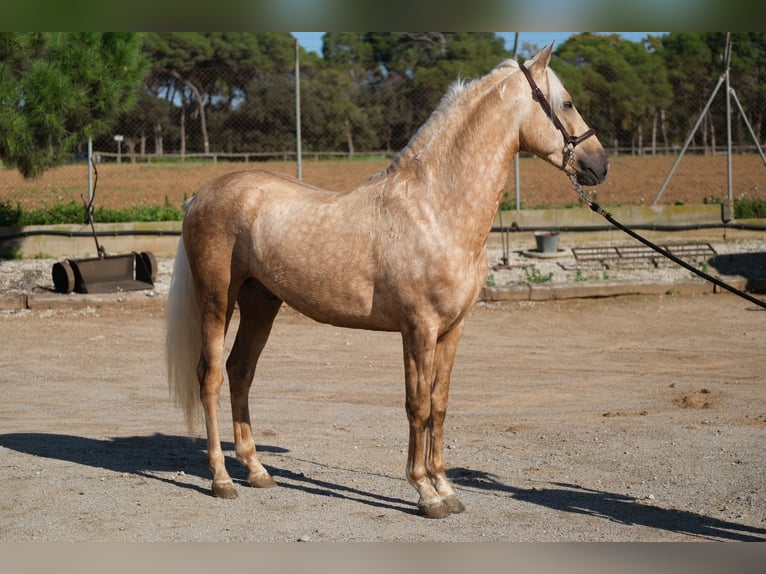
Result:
pixel 404 251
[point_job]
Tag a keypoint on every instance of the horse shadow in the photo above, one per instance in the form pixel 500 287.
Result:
pixel 153 455
pixel 150 456
pixel 138 455
pixel 611 506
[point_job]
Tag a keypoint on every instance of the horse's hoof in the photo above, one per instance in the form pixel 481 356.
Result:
pixel 435 509
pixel 224 490
pixel 262 480
pixel 453 504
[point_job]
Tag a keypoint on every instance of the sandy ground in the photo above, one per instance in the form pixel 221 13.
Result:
pixel 616 419
pixel 619 419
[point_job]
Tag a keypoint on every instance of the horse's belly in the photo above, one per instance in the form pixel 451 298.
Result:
pixel 345 296
pixel 354 308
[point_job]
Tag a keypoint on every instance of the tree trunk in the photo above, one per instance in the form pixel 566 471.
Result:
pixel 183 129
pixel 202 120
pixel 201 104
pixel 130 148
pixel 664 129
pixel 158 139
pixel 350 139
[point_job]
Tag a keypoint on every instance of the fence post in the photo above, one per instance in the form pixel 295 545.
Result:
pixel 298 109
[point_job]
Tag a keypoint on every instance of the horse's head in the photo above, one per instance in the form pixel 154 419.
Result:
pixel 553 127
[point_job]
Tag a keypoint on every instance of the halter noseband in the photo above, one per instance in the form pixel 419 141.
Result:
pixel 538 95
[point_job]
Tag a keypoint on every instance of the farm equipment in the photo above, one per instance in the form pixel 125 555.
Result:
pixel 105 273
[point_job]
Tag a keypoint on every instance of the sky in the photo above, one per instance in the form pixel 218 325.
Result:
pixel 312 41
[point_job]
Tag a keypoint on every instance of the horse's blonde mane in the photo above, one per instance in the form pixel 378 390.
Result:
pixel 460 86
pixel 556 91
pixel 451 101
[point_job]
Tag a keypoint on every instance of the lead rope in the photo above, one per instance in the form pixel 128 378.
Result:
pixel 569 160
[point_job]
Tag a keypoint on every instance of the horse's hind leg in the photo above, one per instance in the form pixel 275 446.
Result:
pixel 258 308
pixel 215 316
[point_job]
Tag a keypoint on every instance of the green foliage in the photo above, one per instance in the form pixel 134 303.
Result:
pixel 10 216
pixel 534 275
pixel 744 207
pixel 508 203
pixel 749 208
pixel 627 89
pixel 58 88
pixel 234 91
pixel 74 213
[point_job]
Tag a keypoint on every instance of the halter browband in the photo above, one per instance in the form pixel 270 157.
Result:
pixel 538 95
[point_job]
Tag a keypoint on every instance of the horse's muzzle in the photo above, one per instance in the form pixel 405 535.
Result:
pixel 592 172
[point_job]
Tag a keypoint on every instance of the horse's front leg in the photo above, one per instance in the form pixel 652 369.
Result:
pixel 444 359
pixel 419 354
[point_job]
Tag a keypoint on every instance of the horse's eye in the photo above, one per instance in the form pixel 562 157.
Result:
pixel 568 105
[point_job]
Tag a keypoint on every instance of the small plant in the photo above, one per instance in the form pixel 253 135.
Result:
pixel 490 281
pixel 744 207
pixel 11 254
pixel 749 208
pixel 534 275
pixel 508 203
pixel 579 277
pixel 9 215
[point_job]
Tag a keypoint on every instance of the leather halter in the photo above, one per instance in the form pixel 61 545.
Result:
pixel 537 94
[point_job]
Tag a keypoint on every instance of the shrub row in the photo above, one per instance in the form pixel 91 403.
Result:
pixel 74 213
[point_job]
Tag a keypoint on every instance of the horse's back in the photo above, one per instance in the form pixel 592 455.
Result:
pixel 229 204
pixel 240 188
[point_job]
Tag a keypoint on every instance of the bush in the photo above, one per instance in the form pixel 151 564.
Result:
pixel 745 208
pixel 74 213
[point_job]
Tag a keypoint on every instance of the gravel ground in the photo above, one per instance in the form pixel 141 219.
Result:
pixel 638 418
pixel 524 265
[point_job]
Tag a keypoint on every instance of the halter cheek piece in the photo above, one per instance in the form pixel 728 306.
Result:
pixel 569 141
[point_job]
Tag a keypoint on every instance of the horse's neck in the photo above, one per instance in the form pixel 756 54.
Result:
pixel 461 158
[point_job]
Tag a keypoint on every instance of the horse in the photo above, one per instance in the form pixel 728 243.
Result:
pixel 404 251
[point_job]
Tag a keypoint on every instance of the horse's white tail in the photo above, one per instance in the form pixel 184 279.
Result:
pixel 183 339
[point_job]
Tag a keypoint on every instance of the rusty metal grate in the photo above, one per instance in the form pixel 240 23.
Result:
pixel 636 256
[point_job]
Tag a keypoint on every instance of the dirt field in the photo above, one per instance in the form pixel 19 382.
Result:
pixel 631 181
pixel 621 419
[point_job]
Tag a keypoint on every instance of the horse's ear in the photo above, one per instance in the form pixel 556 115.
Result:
pixel 541 60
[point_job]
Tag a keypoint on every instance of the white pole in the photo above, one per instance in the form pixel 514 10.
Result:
pixel 298 109
pixel 90 170
pixel 727 56
pixel 517 176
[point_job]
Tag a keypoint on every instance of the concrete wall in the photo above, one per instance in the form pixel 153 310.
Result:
pixel 64 246
pixel 55 241
pixel 628 215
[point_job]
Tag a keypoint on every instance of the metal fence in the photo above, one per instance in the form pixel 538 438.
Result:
pixel 176 122
pixel 205 117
